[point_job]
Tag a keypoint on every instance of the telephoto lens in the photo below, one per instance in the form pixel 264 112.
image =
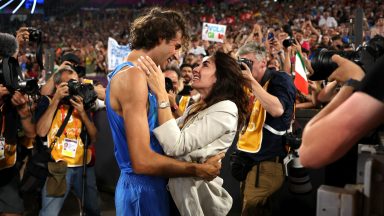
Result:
pixel 299 181
pixel 298 178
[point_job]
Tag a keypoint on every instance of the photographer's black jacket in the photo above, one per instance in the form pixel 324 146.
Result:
pixel 280 85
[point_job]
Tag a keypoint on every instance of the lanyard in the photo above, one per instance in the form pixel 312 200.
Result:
pixel 3 122
pixel 62 110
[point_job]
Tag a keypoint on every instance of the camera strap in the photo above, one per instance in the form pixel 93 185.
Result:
pixel 39 54
pixel 268 75
pixel 61 129
pixel 10 65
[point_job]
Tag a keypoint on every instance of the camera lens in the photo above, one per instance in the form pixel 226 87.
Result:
pixel 323 66
pixel 299 180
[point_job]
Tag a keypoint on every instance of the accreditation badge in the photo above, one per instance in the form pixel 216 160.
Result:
pixel 2 148
pixel 69 148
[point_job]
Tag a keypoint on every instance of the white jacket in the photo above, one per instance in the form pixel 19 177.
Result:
pixel 207 133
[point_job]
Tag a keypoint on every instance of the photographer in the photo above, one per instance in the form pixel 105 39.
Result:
pixel 351 114
pixel 16 112
pixel 68 147
pixel 15 108
pixel 261 145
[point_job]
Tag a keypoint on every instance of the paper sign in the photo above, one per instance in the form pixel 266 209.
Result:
pixel 116 53
pixel 213 32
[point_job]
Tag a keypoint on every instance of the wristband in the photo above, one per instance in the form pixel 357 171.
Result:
pixel 355 84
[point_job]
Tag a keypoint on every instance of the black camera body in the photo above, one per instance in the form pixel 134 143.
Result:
pixel 29 87
pixel 85 90
pixel 35 34
pixel 292 140
pixel 364 56
pixel 248 62
pixel 288 42
pixel 9 78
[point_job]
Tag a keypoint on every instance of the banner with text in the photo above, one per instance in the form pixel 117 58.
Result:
pixel 116 53
pixel 213 32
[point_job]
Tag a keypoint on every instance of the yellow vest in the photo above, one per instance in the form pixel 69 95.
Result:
pixel 9 156
pixel 183 103
pixel 251 140
pixel 72 131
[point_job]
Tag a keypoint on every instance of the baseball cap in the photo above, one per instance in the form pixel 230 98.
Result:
pixel 71 58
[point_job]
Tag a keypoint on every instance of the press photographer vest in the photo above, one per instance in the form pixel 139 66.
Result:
pixel 183 103
pixel 251 140
pixel 70 135
pixel 9 158
pixel 9 130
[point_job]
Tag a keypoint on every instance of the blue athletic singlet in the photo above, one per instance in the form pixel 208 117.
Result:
pixel 136 194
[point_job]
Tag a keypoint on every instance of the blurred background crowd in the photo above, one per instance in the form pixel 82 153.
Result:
pixel 83 28
pixel 77 31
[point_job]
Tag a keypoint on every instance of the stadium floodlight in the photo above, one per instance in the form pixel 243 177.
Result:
pixel 6 4
pixel 33 6
pixel 18 7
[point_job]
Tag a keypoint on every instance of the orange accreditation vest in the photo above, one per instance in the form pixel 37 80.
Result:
pixel 68 147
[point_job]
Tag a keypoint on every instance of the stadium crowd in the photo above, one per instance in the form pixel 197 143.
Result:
pixel 281 30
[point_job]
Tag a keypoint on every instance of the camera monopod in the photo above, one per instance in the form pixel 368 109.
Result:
pixel 84 176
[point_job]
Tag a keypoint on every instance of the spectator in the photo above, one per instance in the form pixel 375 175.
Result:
pixel 378 29
pixel 196 49
pixel 207 127
pixel 327 20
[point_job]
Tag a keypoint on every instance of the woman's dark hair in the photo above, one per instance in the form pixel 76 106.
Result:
pixel 156 24
pixel 230 85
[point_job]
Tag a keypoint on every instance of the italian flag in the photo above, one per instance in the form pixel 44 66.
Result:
pixel 301 81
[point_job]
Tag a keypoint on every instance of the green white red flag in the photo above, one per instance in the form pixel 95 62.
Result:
pixel 301 81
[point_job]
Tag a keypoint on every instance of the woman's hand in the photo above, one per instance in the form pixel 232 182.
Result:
pixel 155 77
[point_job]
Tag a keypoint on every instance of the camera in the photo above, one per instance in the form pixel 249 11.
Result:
pixel 288 42
pixel 29 87
pixel 248 62
pixel 9 78
pixel 34 34
pixel 85 90
pixel 168 84
pixel 365 56
pixel 298 176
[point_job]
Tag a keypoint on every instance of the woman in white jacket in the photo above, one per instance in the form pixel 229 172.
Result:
pixel 206 128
